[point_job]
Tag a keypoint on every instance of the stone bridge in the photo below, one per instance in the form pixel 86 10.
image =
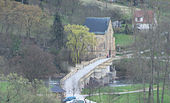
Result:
pixel 101 74
pixel 79 78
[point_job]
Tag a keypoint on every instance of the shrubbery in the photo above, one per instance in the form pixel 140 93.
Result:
pixel 16 89
pixel 125 29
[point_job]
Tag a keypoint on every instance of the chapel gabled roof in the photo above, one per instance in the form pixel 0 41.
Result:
pixel 97 25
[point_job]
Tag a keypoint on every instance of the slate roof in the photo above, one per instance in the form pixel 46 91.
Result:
pixel 97 25
pixel 57 89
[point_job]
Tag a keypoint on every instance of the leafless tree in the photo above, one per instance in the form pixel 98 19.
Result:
pixel 34 63
pixel 154 43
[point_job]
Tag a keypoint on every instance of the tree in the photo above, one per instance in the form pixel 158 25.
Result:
pixel 16 89
pixel 154 44
pixel 58 31
pixel 34 63
pixel 31 16
pixel 80 40
pixel 127 31
pixel 151 57
pixel 10 45
pixel 22 19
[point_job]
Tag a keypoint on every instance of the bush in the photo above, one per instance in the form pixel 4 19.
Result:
pixel 128 29
pixel 125 29
pixel 119 30
pixel 16 89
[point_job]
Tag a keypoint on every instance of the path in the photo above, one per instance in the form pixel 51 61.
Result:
pixel 128 92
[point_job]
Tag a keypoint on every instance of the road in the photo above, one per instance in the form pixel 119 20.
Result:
pixel 71 84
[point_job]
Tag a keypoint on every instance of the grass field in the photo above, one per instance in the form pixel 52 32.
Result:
pixel 124 40
pixel 3 86
pixel 111 6
pixel 127 98
pixel 107 89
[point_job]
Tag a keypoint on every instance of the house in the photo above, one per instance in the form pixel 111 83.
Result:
pixel 117 24
pixel 60 93
pixel 102 28
pixel 144 19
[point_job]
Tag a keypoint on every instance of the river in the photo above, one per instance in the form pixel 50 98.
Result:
pixel 119 83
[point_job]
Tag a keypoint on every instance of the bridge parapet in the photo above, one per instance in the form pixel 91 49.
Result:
pixel 78 67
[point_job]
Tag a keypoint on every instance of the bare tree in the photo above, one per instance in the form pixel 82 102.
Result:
pixel 154 43
pixel 34 63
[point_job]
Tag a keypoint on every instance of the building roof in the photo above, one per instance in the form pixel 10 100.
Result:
pixel 57 89
pixel 97 25
pixel 148 15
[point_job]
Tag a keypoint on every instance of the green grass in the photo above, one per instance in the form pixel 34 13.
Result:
pixel 107 89
pixel 124 40
pixel 127 98
pixel 103 98
pixel 3 86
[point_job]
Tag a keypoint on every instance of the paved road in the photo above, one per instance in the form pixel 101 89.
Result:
pixel 71 84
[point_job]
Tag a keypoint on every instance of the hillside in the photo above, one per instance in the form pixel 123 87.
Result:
pixel 111 6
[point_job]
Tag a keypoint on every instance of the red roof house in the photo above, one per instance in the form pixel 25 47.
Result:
pixel 144 19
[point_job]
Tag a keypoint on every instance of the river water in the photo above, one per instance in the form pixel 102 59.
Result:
pixel 119 83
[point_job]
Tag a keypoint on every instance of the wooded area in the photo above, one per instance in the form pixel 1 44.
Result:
pixel 43 38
